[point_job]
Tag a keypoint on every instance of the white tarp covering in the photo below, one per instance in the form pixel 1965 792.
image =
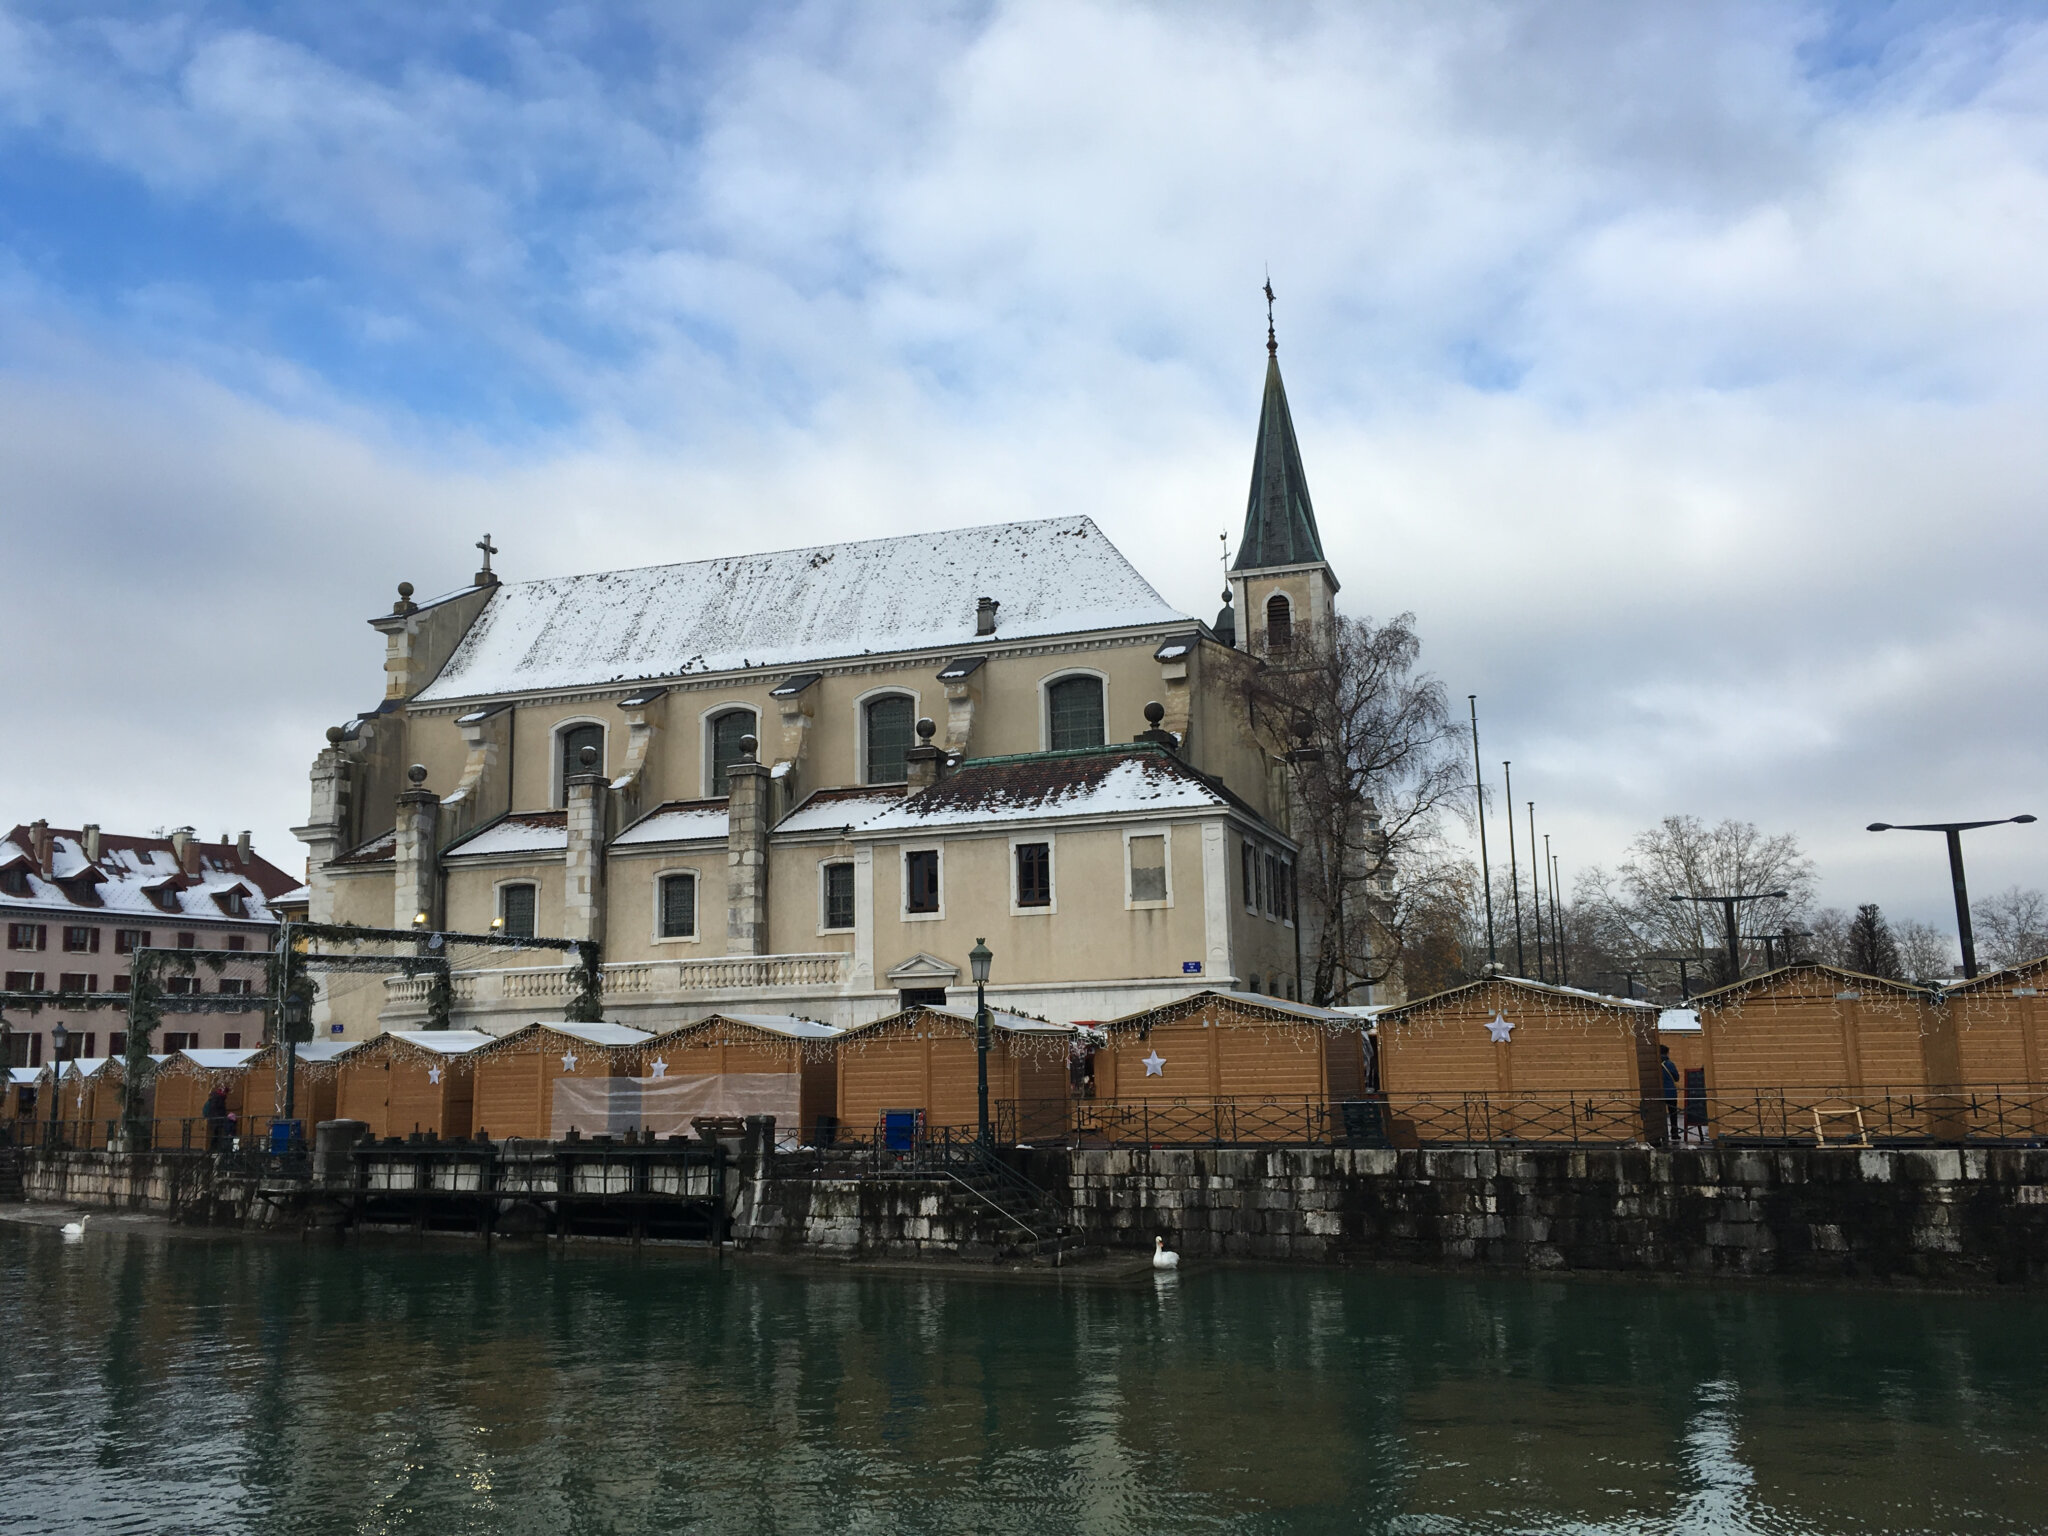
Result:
pixel 611 1106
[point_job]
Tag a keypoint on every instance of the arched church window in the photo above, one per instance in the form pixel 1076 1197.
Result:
pixel 574 739
pixel 1074 710
pixel 886 726
pixel 1279 623
pixel 726 731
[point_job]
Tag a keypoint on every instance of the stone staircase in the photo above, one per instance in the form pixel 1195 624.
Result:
pixel 1015 1218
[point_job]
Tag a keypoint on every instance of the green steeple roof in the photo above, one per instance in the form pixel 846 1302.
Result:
pixel 1279 522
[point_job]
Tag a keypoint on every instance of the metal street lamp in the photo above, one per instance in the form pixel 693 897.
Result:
pixel 1955 831
pixel 296 1020
pixel 1728 905
pixel 979 959
pixel 59 1036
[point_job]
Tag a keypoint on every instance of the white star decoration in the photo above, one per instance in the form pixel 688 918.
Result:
pixel 1499 1028
pixel 660 1067
pixel 568 1061
pixel 433 1074
pixel 1155 1064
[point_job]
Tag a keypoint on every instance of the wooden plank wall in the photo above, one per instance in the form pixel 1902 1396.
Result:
pixel 1799 1034
pixel 363 1090
pixel 1998 1037
pixel 508 1098
pixel 932 1067
pixel 1222 1052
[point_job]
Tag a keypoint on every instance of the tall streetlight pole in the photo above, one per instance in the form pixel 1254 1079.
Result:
pixel 978 961
pixel 1535 884
pixel 1485 869
pixel 58 1036
pixel 1955 831
pixel 1728 906
pixel 1514 874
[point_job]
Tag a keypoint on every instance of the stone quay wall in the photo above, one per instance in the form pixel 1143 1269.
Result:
pixel 872 1219
pixel 1976 1216
pixel 185 1186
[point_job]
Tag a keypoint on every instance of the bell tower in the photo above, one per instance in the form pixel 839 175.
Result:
pixel 1285 590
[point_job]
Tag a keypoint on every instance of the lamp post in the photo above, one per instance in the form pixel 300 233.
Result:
pixel 978 960
pixel 59 1036
pixel 1728 906
pixel 1955 831
pixel 296 1019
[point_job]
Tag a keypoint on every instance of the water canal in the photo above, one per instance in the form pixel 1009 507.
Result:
pixel 166 1383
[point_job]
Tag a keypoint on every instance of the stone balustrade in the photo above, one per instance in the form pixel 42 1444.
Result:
pixel 530 989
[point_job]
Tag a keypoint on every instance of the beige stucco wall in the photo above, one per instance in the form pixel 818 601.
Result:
pixel 630 916
pixel 796 897
pixel 470 896
pixel 1088 936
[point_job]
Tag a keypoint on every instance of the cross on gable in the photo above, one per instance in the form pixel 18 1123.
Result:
pixel 489 550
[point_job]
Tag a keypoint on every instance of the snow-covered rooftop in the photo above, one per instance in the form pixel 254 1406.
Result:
pixel 603 1034
pixel 519 832
pixel 1053 785
pixel 831 809
pixel 679 821
pixel 915 592
pixel 785 1024
pixel 141 876
pixel 445 1042
pixel 218 1060
pixel 1679 1021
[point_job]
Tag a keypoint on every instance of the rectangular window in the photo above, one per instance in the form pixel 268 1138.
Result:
pixel 75 981
pixel 181 986
pixel 180 1040
pixel 1273 896
pixel 838 895
pixel 120 983
pixel 237 943
pixel 24 981
pixel 233 987
pixel 81 941
pixel 1250 861
pixel 1034 874
pixel 1148 867
pixel 231 1041
pixel 27 935
pixel 92 1041
pixel 515 910
pixel 679 906
pixel 921 880
pixel 129 940
pixel 117 1044
pixel 188 941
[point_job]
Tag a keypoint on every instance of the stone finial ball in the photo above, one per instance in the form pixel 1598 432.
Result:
pixel 587 756
pixel 335 734
pixel 927 728
pixel 748 747
pixel 1154 713
pixel 405 590
pixel 417 773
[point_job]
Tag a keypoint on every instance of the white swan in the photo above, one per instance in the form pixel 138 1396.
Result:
pixel 1162 1256
pixel 77 1228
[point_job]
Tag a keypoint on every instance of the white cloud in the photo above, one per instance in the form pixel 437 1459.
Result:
pixel 1685 386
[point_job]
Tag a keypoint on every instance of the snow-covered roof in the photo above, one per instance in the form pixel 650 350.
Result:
pixel 1679 1021
pixel 1014 1023
pixel 122 879
pixel 444 1042
pixel 517 832
pixel 1343 1018
pixel 831 809
pixel 85 1066
pixel 914 592
pixel 317 1051
pixel 1110 781
pixel 785 1024
pixel 679 821
pixel 378 850
pixel 218 1060
pixel 26 1076
pixel 603 1034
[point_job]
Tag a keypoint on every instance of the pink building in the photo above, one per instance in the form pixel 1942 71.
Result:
pixel 75 906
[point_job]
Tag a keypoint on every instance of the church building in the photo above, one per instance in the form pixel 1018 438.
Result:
pixel 806 782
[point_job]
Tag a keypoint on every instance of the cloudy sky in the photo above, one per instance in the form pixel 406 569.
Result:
pixel 1681 367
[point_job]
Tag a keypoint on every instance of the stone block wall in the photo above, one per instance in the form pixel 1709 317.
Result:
pixel 853 1218
pixel 1974 1216
pixel 186 1187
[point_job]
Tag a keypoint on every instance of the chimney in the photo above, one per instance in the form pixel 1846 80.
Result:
pixel 985 615
pixel 746 854
pixel 39 844
pixel 184 850
pixel 242 849
pixel 925 761
pixel 92 842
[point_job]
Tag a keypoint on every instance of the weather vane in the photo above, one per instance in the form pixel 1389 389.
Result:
pixel 1271 344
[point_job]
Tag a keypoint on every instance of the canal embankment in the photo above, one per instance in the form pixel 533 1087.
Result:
pixel 1931 1216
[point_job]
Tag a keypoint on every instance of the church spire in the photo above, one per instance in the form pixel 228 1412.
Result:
pixel 1279 521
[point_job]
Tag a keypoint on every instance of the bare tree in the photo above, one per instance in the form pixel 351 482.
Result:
pixel 1373 757
pixel 1631 913
pixel 2011 928
pixel 1926 953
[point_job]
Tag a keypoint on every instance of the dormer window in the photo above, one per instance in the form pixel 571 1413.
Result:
pixel 234 903
pixel 166 898
pixel 1279 623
